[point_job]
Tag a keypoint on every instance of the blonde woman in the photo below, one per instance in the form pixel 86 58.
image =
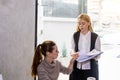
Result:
pixel 83 41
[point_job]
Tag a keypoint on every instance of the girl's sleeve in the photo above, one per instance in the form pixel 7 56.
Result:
pixel 97 47
pixel 64 69
pixel 42 74
pixel 72 45
pixel 98 43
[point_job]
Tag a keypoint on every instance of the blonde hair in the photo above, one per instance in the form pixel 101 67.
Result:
pixel 85 17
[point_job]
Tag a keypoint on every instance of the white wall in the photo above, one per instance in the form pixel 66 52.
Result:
pixel 59 30
pixel 17 26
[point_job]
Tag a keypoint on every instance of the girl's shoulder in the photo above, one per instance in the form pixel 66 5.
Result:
pixel 94 34
pixel 57 62
pixel 40 67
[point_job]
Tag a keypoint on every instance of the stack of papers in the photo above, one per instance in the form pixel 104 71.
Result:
pixel 88 56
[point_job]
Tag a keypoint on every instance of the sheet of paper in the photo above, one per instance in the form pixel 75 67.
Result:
pixel 88 56
pixel 94 52
pixel 1 77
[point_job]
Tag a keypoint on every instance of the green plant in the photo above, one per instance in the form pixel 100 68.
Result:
pixel 64 50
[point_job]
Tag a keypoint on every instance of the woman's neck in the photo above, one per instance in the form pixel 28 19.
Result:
pixel 85 32
pixel 49 60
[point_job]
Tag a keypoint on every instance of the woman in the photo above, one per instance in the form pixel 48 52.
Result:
pixel 44 64
pixel 84 40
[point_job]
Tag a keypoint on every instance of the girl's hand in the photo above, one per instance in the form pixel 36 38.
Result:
pixel 74 57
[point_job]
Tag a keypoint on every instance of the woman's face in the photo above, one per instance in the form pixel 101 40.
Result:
pixel 83 25
pixel 54 53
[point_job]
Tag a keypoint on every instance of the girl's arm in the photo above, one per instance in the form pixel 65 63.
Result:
pixel 74 57
pixel 97 47
pixel 42 74
pixel 68 70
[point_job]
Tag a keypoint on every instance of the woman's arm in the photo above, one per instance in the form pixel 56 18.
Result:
pixel 74 57
pixel 98 44
pixel 42 74
pixel 68 70
pixel 97 47
pixel 72 47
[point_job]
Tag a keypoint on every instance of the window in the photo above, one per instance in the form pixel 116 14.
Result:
pixel 60 25
pixel 63 8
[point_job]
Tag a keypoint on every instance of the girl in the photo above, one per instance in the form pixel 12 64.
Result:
pixel 84 40
pixel 44 64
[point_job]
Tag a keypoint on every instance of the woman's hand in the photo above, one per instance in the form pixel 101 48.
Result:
pixel 74 57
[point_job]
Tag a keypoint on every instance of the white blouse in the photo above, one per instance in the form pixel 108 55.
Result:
pixel 84 48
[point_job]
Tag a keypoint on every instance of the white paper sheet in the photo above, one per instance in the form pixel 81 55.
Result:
pixel 88 56
pixel 1 77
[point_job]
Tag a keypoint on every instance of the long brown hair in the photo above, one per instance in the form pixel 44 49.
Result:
pixel 85 17
pixel 40 54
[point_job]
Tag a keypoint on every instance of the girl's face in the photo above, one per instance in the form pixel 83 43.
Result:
pixel 54 53
pixel 83 25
